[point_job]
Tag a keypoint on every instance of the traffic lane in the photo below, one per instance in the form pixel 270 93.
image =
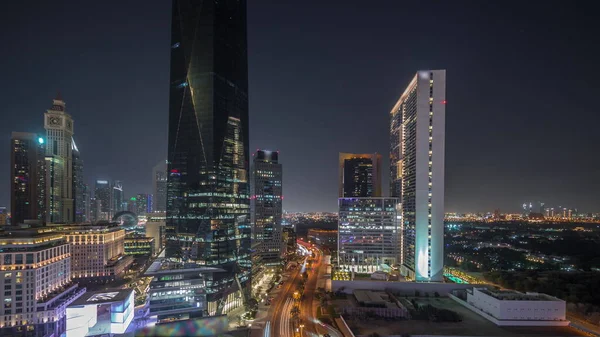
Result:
pixel 277 310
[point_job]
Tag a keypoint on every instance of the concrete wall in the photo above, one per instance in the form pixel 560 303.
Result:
pixel 518 310
pixel 404 288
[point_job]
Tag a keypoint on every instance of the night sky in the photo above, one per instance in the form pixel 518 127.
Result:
pixel 522 90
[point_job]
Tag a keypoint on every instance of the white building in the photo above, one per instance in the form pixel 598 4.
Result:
pixel 155 228
pixel 512 308
pixel 417 137
pixel 36 279
pixel 59 161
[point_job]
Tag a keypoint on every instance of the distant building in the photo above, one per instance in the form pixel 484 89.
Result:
pixel 512 308
pixel 79 187
pixel 102 194
pixel 59 163
pixel 359 175
pixel 368 234
pixel 36 280
pixel 417 136
pixel 143 204
pixel 27 177
pixel 3 216
pixel 266 206
pixel 116 198
pixel 97 251
pixel 159 180
pixel 289 237
pixel 324 237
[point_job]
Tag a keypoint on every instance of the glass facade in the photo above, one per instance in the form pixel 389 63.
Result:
pixel 208 199
pixel 27 177
pixel 368 233
pixel 359 175
pixel 78 187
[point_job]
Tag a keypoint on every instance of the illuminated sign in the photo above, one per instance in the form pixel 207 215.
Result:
pixel 101 181
pixel 103 297
pixel 41 140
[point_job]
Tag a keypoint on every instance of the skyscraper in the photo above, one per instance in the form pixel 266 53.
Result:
pixel 102 194
pixel 417 162
pixel 207 193
pixel 143 204
pixel 116 198
pixel 78 187
pixel 266 206
pixel 27 177
pixel 159 182
pixel 359 175
pixel 59 161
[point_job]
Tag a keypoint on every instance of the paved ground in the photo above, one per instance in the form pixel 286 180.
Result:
pixel 472 325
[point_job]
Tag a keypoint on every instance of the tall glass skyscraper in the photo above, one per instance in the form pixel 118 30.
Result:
pixel 359 175
pixel 207 188
pixel 417 133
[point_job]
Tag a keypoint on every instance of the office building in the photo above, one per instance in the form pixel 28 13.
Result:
pixel 3 216
pixel 139 245
pixel 323 237
pixel 117 198
pixel 208 203
pixel 369 237
pixel 87 211
pixel 159 184
pixel 59 163
pixel 79 187
pixel 266 206
pixel 102 194
pixel 36 283
pixel 27 177
pixel 155 228
pixel 143 204
pixel 97 251
pixel 359 175
pixel 418 123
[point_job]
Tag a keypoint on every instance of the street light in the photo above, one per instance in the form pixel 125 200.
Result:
pixel 301 327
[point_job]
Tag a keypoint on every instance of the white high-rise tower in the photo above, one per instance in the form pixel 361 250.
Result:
pixel 417 150
pixel 59 163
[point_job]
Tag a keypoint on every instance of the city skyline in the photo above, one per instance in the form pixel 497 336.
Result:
pixel 492 148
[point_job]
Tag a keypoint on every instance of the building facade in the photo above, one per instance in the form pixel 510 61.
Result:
pixel 359 175
pixel 266 206
pixel 36 279
pixel 324 237
pixel 102 194
pixel 79 187
pixel 418 125
pixel 139 245
pixel 27 177
pixel 369 234
pixel 116 198
pixel 155 228
pixel 159 184
pixel 59 153
pixel 208 203
pixel 97 251
pixel 143 204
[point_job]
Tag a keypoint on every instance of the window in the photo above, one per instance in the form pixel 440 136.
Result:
pixel 19 259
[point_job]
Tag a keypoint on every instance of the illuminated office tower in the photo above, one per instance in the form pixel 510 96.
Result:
pixel 79 187
pixel 359 175
pixel 266 206
pixel 36 282
pixel 27 177
pixel 59 162
pixel 368 234
pixel 143 204
pixel 116 198
pixel 159 183
pixel 208 203
pixel 417 133
pixel 102 193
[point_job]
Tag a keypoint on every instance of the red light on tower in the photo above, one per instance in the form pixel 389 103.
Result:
pixel 444 102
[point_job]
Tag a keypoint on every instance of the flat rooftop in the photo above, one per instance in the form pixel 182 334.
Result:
pixel 103 297
pixel 159 267
pixel 511 295
pixel 472 324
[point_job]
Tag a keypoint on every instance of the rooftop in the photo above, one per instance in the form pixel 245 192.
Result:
pixel 102 297
pixel 162 267
pixel 511 295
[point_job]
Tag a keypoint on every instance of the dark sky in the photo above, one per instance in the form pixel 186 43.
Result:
pixel 522 90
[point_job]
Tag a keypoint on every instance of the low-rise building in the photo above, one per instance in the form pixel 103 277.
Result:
pixel 139 245
pixel 324 237
pixel 97 251
pixel 155 228
pixel 508 307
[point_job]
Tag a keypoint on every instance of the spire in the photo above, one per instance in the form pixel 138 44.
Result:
pixel 58 96
pixel 58 104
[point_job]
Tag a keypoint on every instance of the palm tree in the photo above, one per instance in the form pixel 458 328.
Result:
pixel 295 312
